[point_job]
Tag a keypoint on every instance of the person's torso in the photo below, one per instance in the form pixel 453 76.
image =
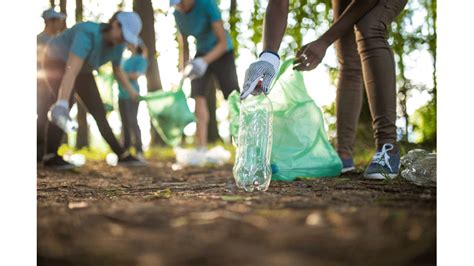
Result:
pixel 99 54
pixel 136 63
pixel 197 23
pixel 43 38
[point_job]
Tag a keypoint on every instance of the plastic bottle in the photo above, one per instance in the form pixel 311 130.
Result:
pixel 420 167
pixel 252 168
pixel 67 125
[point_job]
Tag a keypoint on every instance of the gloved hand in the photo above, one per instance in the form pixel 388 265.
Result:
pixel 59 115
pixel 196 68
pixel 265 69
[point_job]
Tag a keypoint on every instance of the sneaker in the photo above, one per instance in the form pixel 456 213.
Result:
pixel 57 162
pixel 129 160
pixel 384 165
pixel 347 165
pixel 140 157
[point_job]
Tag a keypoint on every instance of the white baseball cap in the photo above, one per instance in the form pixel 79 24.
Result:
pixel 131 26
pixel 174 2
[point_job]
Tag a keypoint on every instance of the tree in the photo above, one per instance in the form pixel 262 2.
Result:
pixel 82 138
pixel 145 9
pixel 62 6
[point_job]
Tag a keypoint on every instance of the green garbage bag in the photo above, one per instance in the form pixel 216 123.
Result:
pixel 300 144
pixel 169 113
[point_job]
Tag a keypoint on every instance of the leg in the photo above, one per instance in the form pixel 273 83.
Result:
pixel 44 99
pixel 125 115
pixel 378 66
pixel 226 73
pixel 202 119
pixel 134 126
pixel 349 87
pixel 54 71
pixel 87 90
pixel 198 87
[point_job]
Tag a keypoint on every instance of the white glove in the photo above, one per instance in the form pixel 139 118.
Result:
pixel 59 115
pixel 196 68
pixel 265 69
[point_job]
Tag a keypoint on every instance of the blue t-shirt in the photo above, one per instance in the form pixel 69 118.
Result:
pixel 198 23
pixel 135 64
pixel 85 41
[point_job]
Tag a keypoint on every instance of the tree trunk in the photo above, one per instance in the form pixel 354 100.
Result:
pixel 145 9
pixel 82 137
pixel 62 6
pixel 234 19
pixel 52 4
pixel 79 11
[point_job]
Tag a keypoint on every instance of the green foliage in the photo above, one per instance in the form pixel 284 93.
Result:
pixel 424 124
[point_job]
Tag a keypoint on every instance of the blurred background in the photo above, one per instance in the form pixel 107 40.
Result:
pixel 412 36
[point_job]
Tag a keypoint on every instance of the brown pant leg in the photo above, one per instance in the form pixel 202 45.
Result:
pixel 378 67
pixel 349 85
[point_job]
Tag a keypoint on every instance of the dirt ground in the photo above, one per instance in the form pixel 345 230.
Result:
pixel 103 215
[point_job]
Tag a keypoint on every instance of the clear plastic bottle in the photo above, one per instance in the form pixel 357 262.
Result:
pixel 252 168
pixel 64 123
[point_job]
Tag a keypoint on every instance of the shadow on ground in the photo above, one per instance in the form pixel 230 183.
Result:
pixel 102 215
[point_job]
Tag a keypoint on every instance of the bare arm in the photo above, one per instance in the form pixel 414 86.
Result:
pixel 275 24
pixel 310 55
pixel 122 78
pixel 184 51
pixel 73 66
pixel 353 13
pixel 221 46
pixel 133 75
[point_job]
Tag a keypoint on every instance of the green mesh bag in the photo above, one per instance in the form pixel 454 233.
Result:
pixel 169 113
pixel 300 144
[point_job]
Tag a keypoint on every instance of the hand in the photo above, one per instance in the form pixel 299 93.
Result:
pixel 264 69
pixel 310 55
pixel 134 95
pixel 59 115
pixel 196 68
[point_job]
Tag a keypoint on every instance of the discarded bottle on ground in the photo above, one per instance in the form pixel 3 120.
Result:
pixel 420 167
pixel 252 168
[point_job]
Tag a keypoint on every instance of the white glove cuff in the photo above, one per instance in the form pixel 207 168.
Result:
pixel 63 103
pixel 272 59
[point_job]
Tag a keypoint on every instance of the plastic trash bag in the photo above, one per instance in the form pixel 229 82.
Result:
pixel 169 113
pixel 300 144
pixel 420 167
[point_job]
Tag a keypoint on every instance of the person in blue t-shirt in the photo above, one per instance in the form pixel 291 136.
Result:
pixel 214 55
pixel 134 67
pixel 69 61
pixel 54 23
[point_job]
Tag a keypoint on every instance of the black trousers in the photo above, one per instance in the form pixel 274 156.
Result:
pixel 128 113
pixel 86 89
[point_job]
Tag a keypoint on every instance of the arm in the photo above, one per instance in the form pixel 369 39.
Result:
pixel 133 75
pixel 73 66
pixel 275 24
pixel 221 46
pixel 267 65
pixel 311 54
pixel 122 78
pixel 184 51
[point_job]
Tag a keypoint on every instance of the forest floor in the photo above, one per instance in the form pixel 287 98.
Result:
pixel 153 215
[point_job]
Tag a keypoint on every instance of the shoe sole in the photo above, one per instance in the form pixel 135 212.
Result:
pixel 347 169
pixel 379 176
